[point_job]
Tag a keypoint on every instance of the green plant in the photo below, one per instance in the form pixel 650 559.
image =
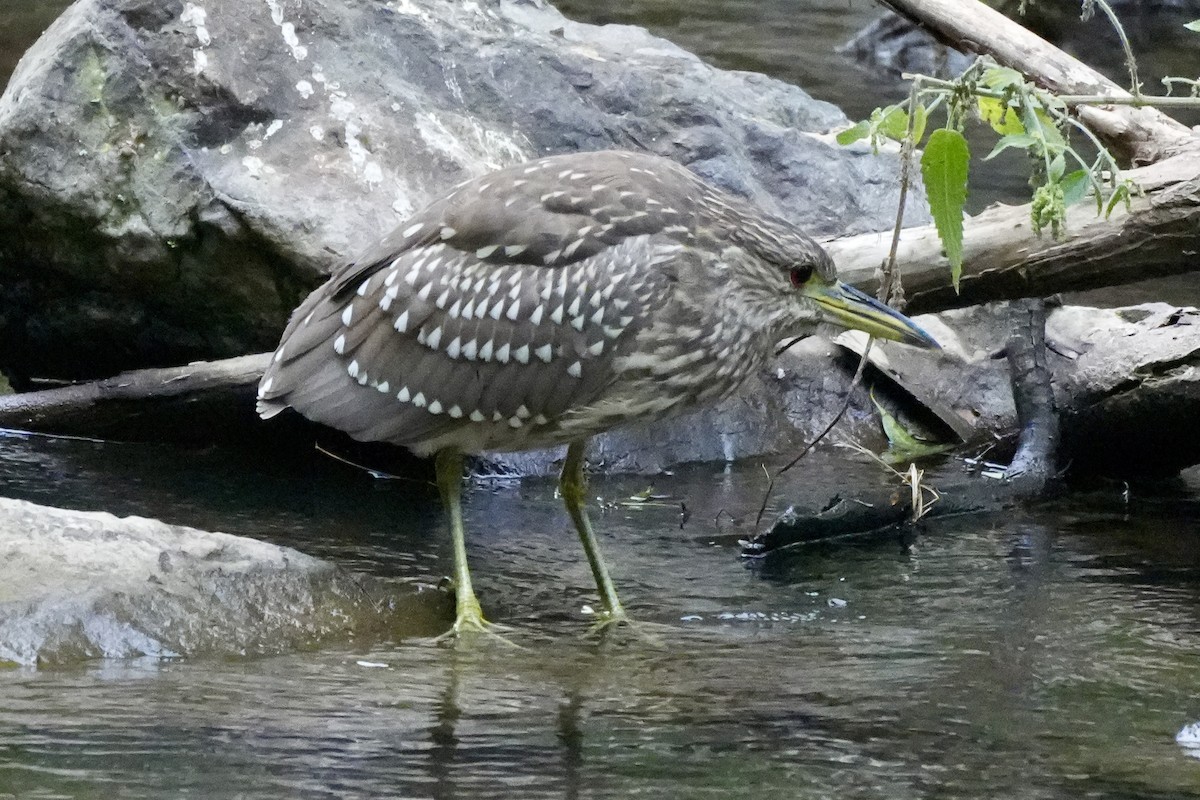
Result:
pixel 1026 117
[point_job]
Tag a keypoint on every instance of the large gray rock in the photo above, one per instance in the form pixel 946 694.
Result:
pixel 76 585
pixel 174 176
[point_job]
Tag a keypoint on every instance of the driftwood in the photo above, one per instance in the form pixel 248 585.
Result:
pixel 1142 135
pixel 1003 259
pixel 1158 235
pixel 210 401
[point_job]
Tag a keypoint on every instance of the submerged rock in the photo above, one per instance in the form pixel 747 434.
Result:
pixel 174 176
pixel 76 585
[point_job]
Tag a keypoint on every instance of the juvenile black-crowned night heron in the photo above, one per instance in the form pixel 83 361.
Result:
pixel 550 301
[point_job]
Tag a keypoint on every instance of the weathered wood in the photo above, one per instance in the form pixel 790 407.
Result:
pixel 202 402
pixel 1158 235
pixel 1142 135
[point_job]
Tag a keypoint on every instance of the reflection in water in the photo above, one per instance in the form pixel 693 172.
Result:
pixel 444 743
pixel 1050 653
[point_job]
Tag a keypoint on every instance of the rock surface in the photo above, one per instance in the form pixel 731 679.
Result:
pixel 174 176
pixel 77 585
pixel 1131 374
pixel 1126 381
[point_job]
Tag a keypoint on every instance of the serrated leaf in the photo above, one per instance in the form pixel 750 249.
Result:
pixel 1022 140
pixel 944 166
pixel 1075 186
pixel 852 135
pixel 1194 25
pixel 1003 119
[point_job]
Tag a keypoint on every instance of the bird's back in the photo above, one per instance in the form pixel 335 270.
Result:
pixel 493 318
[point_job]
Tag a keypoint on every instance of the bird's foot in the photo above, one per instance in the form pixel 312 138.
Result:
pixel 619 624
pixel 469 623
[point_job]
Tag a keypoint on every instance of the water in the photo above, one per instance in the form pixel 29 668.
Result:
pixel 1047 653
pixel 1041 654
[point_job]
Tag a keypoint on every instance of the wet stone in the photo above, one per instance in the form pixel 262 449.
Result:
pixel 77 585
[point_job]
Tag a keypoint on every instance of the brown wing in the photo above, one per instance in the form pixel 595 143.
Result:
pixel 501 305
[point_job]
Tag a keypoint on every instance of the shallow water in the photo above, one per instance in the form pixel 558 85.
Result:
pixel 1049 653
pixel 1036 654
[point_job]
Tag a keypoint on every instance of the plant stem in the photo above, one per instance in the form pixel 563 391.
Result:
pixel 1153 101
pixel 1130 62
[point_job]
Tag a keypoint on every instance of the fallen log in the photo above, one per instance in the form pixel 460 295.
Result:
pixel 1142 135
pixel 1157 235
pixel 1127 382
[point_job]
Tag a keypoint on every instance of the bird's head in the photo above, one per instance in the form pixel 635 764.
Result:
pixel 832 302
pixel 792 275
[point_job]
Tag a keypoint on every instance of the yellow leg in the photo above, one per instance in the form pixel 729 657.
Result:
pixel 573 487
pixel 469 616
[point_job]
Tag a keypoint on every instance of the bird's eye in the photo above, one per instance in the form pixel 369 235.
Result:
pixel 800 275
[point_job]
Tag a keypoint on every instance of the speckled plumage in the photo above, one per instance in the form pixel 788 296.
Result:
pixel 545 303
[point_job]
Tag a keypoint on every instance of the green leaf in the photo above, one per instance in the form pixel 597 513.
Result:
pixel 1194 25
pixel 920 115
pixel 1022 140
pixel 1000 78
pixel 1036 120
pixel 893 123
pixel 1003 119
pixel 1075 186
pixel 852 135
pixel 944 166
pixel 902 444
pixel 1058 165
pixel 1120 194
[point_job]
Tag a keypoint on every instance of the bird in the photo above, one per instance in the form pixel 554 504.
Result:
pixel 549 301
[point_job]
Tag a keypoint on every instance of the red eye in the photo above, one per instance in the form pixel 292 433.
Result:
pixel 800 276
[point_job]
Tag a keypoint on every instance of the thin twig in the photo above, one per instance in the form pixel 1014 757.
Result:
pixel 1130 61
pixel 1148 100
pixel 771 479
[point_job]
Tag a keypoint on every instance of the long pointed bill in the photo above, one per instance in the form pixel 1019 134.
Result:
pixel 844 305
